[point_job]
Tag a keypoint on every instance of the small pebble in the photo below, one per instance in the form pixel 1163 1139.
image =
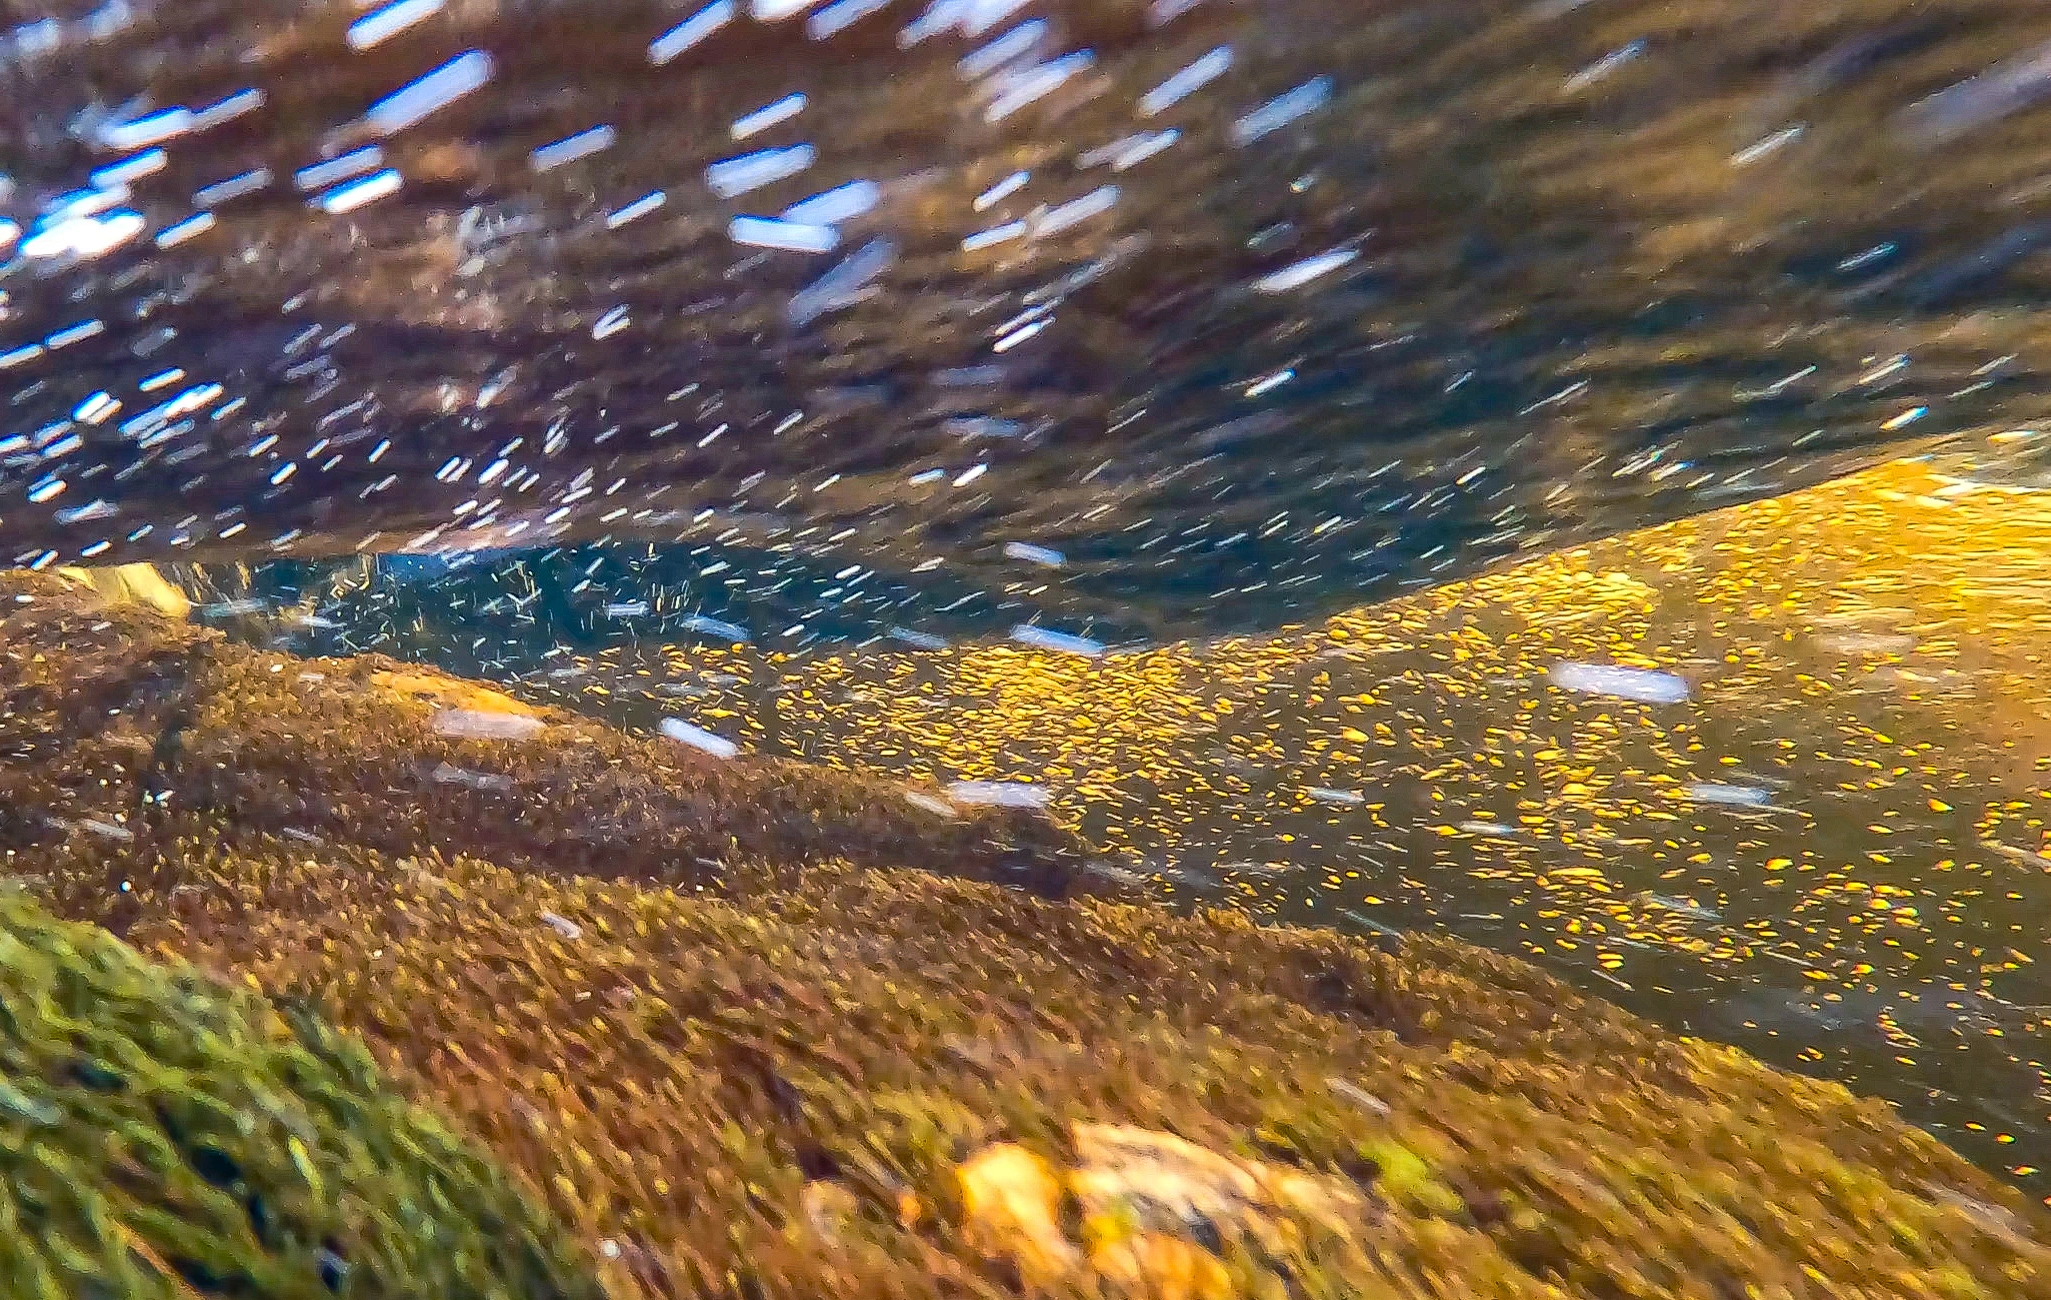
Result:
pixel 938 807
pixel 699 738
pixel 1645 685
pixel 1358 1095
pixel 1000 794
pixel 470 724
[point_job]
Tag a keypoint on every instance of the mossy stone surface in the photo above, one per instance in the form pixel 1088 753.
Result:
pixel 765 1080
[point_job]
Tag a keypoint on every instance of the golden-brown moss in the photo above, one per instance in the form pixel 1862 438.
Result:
pixel 678 1073
pixel 110 703
pixel 772 1090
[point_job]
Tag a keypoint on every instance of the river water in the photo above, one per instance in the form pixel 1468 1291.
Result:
pixel 1250 425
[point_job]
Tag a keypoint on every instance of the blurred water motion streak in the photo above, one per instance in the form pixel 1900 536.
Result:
pixel 1534 274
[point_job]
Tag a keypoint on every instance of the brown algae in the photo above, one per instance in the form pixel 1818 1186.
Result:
pixel 809 1069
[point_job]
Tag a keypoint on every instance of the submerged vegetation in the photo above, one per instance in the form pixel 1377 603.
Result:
pixel 1079 323
pixel 165 1136
pixel 800 1071
pixel 118 722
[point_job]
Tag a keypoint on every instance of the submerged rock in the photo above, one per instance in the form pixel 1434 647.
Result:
pixel 825 1075
pixel 1158 1213
pixel 346 749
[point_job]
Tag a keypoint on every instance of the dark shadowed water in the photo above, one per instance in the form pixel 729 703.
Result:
pixel 768 365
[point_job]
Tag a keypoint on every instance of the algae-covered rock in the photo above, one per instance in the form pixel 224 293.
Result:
pixel 862 1081
pixel 161 1136
pixel 106 702
pixel 892 1083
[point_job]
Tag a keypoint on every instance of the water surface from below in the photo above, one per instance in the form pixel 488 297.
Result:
pixel 1247 311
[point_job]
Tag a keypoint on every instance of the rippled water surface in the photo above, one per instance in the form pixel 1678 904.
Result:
pixel 1239 426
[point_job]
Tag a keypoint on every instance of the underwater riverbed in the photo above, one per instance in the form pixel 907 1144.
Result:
pixel 1773 775
pixel 1562 475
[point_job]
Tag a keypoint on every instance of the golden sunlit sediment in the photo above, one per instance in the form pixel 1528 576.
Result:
pixel 1848 807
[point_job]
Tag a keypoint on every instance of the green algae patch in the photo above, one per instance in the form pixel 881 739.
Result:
pixel 162 1136
pixel 1404 1178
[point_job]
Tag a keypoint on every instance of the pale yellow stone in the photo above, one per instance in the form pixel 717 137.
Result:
pixel 828 1207
pixel 1175 1180
pixel 132 584
pixel 1162 1267
pixel 1011 1202
pixel 1123 1163
pixel 1140 1192
pixel 450 692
